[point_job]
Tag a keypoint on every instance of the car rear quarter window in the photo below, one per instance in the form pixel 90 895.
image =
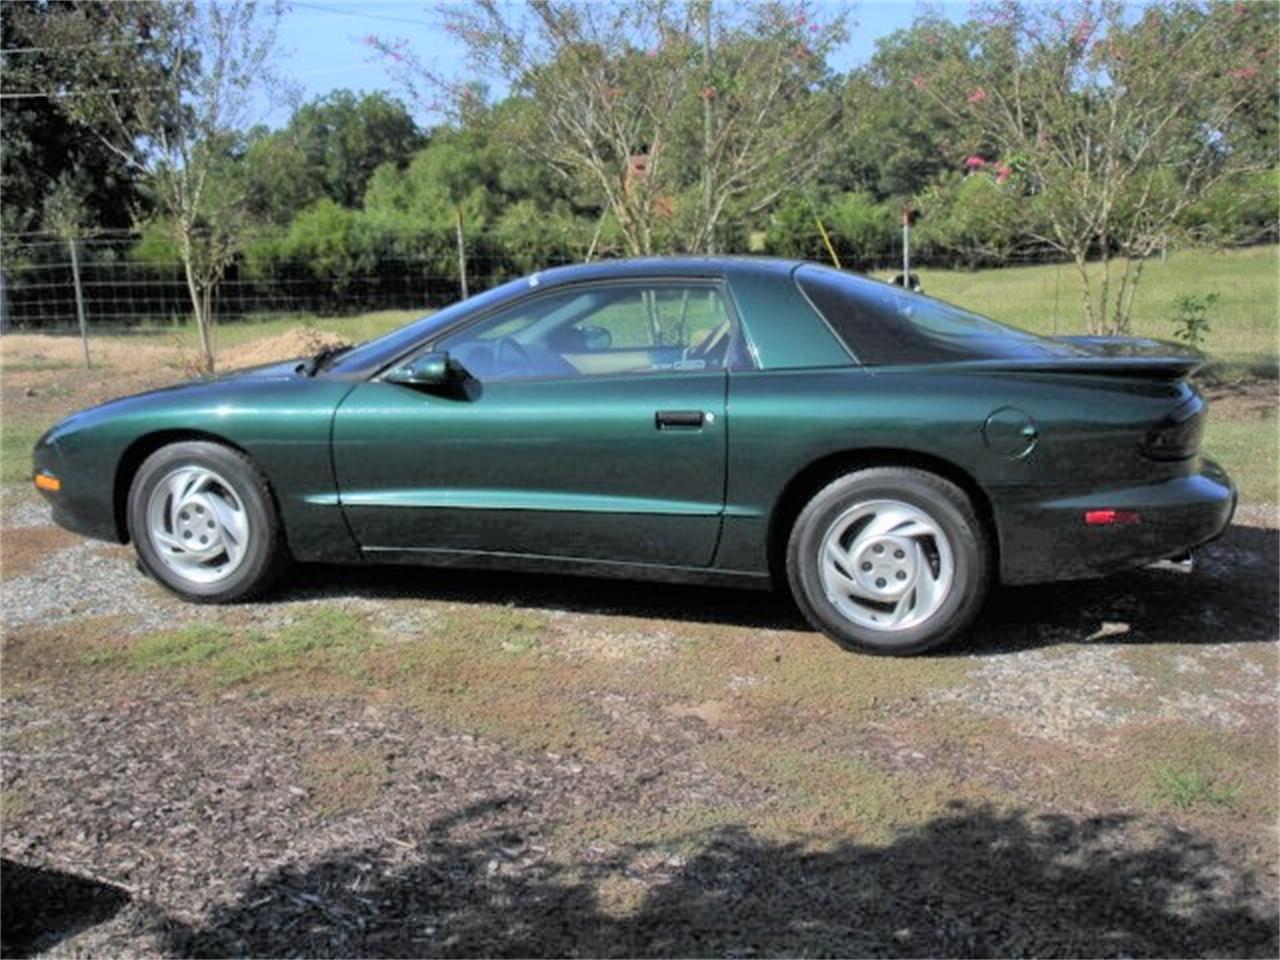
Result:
pixel 882 324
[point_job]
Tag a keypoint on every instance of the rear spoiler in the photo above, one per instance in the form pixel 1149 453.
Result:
pixel 1146 368
pixel 1135 357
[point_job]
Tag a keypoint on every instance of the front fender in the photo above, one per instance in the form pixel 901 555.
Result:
pixel 284 425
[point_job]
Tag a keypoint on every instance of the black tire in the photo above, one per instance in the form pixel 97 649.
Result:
pixel 262 556
pixel 921 494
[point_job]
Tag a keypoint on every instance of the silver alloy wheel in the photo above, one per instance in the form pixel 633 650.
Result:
pixel 198 525
pixel 886 565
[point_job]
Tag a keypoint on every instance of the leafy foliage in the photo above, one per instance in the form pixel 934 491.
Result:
pixel 1191 317
pixel 1024 132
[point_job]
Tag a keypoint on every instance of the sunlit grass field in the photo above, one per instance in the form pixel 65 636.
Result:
pixel 1245 320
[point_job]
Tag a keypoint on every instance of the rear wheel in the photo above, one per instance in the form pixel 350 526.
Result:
pixel 203 523
pixel 889 560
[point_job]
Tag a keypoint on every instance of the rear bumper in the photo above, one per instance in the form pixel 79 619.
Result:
pixel 1045 539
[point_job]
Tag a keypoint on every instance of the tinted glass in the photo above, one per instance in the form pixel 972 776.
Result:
pixel 600 330
pixel 380 351
pixel 884 324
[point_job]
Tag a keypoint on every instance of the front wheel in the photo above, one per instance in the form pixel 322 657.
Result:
pixel 889 560
pixel 203 523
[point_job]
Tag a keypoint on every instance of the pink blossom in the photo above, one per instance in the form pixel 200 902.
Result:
pixel 1003 172
pixel 974 162
pixel 1083 29
pixel 708 93
pixel 978 96
pixel 813 28
pixel 918 81
pixel 1245 73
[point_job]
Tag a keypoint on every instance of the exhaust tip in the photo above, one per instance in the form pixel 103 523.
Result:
pixel 1183 563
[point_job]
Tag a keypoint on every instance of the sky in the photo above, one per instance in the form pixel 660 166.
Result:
pixel 322 49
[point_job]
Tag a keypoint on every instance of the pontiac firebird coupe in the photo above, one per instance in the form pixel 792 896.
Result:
pixel 886 456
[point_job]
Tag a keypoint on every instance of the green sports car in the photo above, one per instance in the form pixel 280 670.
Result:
pixel 885 456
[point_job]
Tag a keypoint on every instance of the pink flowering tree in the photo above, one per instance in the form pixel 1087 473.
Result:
pixel 673 117
pixel 1111 122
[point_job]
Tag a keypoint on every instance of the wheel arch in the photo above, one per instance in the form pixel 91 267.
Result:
pixel 801 488
pixel 136 454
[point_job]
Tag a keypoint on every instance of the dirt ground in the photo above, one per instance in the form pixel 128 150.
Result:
pixel 403 762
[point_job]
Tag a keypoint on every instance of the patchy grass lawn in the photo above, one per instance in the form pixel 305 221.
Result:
pixel 1250 451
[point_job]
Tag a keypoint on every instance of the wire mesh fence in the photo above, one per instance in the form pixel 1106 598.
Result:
pixel 122 293
pixel 39 277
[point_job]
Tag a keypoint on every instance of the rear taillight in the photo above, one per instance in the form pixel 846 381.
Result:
pixel 1177 436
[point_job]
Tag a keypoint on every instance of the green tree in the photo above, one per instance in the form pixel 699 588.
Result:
pixel 66 215
pixel 1116 126
pixel 184 78
pixel 671 115
pixel 329 148
pixel 898 143
pixel 40 145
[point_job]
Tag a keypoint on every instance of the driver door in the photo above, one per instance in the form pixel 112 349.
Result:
pixel 593 427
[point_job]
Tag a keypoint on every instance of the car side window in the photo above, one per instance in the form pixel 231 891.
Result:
pixel 601 330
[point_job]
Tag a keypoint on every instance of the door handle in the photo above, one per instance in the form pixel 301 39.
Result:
pixel 682 419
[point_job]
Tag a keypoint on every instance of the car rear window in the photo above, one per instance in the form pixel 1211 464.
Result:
pixel 883 324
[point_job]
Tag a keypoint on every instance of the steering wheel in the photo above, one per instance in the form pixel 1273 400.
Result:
pixel 712 347
pixel 511 359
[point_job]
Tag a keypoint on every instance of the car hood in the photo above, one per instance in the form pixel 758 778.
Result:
pixel 198 391
pixel 282 370
pixel 278 370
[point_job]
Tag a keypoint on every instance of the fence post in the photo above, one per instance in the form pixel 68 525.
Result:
pixel 906 246
pixel 75 276
pixel 462 249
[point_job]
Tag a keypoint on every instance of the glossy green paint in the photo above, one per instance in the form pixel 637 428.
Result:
pixel 784 331
pixel 578 471
pixel 279 419
pixel 573 468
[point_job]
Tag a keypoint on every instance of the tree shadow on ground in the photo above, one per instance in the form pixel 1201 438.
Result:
pixel 970 882
pixel 39 908
pixel 1237 585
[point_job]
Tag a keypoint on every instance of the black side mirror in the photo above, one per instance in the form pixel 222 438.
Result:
pixel 428 370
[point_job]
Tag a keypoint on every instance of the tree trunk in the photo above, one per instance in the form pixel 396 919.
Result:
pixel 1086 293
pixel 75 277
pixel 1104 291
pixel 707 135
pixel 202 321
pixel 462 250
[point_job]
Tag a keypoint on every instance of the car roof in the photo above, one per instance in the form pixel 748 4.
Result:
pixel 682 266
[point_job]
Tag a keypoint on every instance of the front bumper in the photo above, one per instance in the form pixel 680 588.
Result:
pixel 84 504
pixel 1045 538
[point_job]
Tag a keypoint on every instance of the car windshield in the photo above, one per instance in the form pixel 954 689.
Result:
pixel 884 324
pixel 380 351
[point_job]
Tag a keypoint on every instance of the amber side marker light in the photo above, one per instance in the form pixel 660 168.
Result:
pixel 1111 518
pixel 46 482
